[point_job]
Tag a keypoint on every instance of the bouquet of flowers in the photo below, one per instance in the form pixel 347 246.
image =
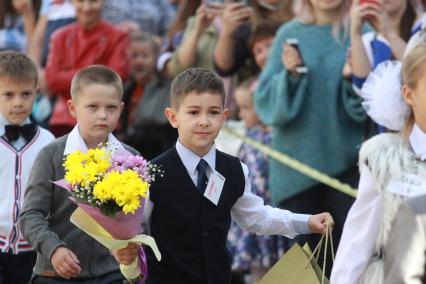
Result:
pixel 110 187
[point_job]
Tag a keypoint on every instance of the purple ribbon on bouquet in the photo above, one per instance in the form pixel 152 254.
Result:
pixel 142 264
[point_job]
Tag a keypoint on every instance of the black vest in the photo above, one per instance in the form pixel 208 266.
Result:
pixel 189 229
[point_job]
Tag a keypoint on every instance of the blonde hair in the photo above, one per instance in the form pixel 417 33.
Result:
pixel 413 68
pixel 303 11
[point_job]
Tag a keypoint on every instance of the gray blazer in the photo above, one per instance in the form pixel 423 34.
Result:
pixel 405 257
pixel 45 218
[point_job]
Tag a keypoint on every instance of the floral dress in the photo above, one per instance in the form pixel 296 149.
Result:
pixel 250 250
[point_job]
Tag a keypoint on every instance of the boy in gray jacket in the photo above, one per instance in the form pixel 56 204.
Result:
pixel 65 254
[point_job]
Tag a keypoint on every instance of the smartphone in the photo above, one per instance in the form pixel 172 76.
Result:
pixel 294 42
pixel 215 7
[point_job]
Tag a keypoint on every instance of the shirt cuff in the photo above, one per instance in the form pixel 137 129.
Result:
pixel 301 223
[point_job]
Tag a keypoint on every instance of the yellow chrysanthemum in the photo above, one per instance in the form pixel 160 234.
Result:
pixel 87 170
pixel 101 157
pixel 102 189
pixel 83 169
pixel 75 175
pixel 126 189
pixel 76 158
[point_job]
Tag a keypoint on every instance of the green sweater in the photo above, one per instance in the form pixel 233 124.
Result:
pixel 316 119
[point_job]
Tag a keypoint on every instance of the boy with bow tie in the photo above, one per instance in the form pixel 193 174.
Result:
pixel 20 142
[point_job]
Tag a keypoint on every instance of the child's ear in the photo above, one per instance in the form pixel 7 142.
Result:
pixel 407 93
pixel 121 106
pixel 71 108
pixel 171 117
pixel 226 113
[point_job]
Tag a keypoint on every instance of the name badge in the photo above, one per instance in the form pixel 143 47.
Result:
pixel 214 187
pixel 409 185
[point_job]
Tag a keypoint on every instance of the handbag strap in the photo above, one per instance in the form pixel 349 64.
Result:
pixel 328 238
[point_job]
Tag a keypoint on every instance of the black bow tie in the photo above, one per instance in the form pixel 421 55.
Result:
pixel 13 132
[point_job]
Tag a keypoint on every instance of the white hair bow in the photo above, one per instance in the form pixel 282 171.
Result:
pixel 382 96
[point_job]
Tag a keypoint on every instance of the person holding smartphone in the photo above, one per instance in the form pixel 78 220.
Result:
pixel 393 22
pixel 239 20
pixel 315 116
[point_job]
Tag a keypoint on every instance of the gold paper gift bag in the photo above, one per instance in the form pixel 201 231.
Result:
pixel 294 267
pixel 298 266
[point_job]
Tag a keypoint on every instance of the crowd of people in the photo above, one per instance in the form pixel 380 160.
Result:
pixel 338 85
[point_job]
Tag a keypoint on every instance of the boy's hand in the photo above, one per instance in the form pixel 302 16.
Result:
pixel 65 263
pixel 318 223
pixel 126 255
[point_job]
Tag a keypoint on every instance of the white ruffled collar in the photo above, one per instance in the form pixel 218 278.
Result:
pixel 418 142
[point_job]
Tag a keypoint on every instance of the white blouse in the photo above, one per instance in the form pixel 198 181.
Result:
pixel 363 222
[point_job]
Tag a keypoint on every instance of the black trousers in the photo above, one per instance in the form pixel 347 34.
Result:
pixel 322 198
pixel 16 268
pixel 110 278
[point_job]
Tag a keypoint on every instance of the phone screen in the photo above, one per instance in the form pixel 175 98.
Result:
pixel 215 7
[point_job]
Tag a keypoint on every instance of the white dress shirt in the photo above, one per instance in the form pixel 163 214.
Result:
pixel 249 210
pixel 363 222
pixel 75 142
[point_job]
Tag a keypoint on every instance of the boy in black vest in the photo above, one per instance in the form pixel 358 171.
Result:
pixel 191 207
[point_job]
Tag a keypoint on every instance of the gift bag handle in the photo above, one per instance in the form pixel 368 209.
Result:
pixel 318 248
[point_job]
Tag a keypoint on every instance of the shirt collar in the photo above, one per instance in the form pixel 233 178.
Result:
pixel 75 142
pixel 418 142
pixel 190 160
pixel 4 122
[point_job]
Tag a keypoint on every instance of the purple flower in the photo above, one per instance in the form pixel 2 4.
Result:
pixel 122 161
pixel 136 163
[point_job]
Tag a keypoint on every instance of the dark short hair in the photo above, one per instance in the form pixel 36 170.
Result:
pixel 195 80
pixel 96 74
pixel 264 30
pixel 18 67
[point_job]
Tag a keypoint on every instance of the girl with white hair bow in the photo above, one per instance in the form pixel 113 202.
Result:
pixel 392 165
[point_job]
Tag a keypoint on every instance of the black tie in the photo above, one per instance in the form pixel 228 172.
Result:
pixel 13 132
pixel 202 175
